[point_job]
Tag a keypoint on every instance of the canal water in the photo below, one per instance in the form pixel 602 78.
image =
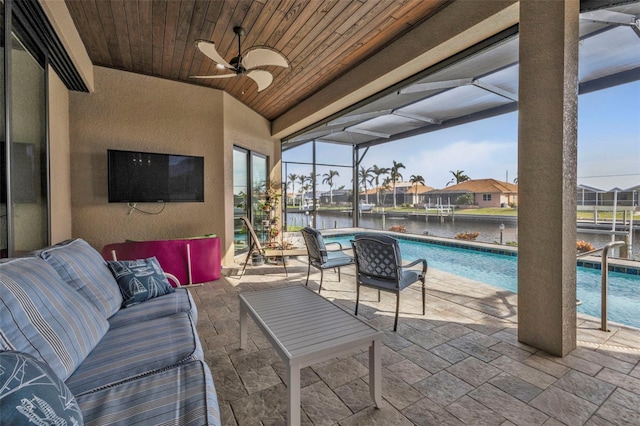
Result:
pixel 488 229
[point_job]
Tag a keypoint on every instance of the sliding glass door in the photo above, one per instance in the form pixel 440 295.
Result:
pixel 250 179
pixel 24 200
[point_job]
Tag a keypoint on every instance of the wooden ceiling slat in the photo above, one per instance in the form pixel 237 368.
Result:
pixel 120 19
pixel 313 42
pixel 322 39
pixel 328 63
pixel 93 19
pixel 316 48
pixel 322 14
pixel 171 27
pixel 213 10
pixel 358 55
pixel 297 17
pixel 195 29
pixel 145 9
pixel 355 18
pixel 158 17
pixel 110 33
pixel 182 36
pixel 133 29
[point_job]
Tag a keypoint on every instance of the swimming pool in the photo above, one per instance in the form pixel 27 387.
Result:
pixel 502 271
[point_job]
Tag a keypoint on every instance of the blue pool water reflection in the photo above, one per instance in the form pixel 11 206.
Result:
pixel 502 271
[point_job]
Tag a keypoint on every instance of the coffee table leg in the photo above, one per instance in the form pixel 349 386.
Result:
pixel 243 326
pixel 375 372
pixel 294 395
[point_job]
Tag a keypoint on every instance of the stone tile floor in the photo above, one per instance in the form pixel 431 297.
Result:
pixel 459 364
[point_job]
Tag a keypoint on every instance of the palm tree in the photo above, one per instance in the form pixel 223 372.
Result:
pixel 395 176
pixel 303 179
pixel 292 178
pixel 458 177
pixel 377 172
pixel 385 187
pixel 366 177
pixel 328 179
pixel 415 181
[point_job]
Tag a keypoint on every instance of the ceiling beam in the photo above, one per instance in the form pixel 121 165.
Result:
pixel 418 117
pixel 495 89
pixel 435 85
pixel 359 117
pixel 367 132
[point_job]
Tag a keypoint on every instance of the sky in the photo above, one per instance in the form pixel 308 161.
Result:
pixel 608 147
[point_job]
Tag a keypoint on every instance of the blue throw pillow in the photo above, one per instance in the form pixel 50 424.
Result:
pixel 139 280
pixel 31 393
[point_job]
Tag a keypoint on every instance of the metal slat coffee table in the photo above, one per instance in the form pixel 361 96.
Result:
pixel 305 328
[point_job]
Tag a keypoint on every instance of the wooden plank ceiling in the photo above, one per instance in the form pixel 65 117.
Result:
pixel 322 39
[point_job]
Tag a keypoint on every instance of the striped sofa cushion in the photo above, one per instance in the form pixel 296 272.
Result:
pixel 128 352
pixel 44 317
pixel 178 301
pixel 182 395
pixel 81 266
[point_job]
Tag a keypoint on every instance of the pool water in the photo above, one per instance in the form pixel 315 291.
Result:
pixel 502 271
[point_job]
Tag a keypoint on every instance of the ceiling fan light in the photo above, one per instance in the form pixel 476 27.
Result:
pixel 220 66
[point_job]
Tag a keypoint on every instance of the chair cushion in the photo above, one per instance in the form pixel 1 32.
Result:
pixel 169 304
pixel 174 396
pixel 43 316
pixel 408 277
pixel 31 393
pixel 128 352
pixel 337 258
pixel 82 267
pixel 315 245
pixel 139 280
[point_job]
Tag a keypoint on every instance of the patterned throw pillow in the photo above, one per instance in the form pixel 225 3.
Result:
pixel 31 393
pixel 139 280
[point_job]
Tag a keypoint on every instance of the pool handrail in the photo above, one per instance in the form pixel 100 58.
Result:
pixel 605 281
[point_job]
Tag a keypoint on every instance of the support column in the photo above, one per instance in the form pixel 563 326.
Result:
pixel 547 156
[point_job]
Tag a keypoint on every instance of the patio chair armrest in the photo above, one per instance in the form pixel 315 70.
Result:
pixel 415 262
pixel 334 242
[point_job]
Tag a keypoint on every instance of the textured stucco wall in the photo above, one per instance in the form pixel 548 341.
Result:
pixel 251 131
pixel 135 112
pixel 59 160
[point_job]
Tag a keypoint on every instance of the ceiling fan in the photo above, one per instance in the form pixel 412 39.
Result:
pixel 244 65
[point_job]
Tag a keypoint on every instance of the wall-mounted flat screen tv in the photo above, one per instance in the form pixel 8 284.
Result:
pixel 147 177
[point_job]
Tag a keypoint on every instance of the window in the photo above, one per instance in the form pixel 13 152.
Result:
pixel 486 197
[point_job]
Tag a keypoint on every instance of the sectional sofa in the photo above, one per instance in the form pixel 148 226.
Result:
pixel 85 340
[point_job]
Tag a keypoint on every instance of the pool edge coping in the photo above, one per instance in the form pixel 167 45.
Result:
pixel 623 266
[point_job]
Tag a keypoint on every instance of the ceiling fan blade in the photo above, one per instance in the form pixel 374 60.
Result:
pixel 209 49
pixel 262 78
pixel 214 76
pixel 263 56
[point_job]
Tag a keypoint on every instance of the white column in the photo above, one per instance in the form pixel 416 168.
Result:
pixel 547 156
